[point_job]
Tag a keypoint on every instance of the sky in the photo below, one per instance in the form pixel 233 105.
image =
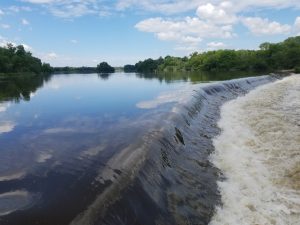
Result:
pixel 87 32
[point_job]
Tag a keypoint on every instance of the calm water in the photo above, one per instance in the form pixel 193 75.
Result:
pixel 112 149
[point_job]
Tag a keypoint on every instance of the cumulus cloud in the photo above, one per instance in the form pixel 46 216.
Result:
pixel 215 45
pixel 189 31
pixel 297 26
pixel 260 26
pixel 217 14
pixel 178 6
pixel 218 10
pixel 213 19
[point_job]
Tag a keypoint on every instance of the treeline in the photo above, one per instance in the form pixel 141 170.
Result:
pixel 15 59
pixel 270 57
pixel 68 69
pixel 102 67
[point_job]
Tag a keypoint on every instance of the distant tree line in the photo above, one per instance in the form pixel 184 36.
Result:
pixel 15 59
pixel 270 57
pixel 68 69
pixel 102 67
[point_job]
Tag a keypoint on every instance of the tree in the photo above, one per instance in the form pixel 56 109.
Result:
pixel 15 59
pixel 265 46
pixel 104 67
pixel 129 68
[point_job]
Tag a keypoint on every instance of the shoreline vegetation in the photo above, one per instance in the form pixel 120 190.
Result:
pixel 270 57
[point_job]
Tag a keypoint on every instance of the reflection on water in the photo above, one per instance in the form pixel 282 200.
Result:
pixel 19 88
pixel 195 77
pixel 22 87
pixel 14 200
pixel 76 141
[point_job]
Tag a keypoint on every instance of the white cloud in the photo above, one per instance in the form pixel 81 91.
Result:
pixel 72 8
pixel 213 21
pixel 217 14
pixel 27 47
pixel 297 26
pixel 260 26
pixel 165 7
pixel 51 55
pixel 185 28
pixel 5 26
pixel 1 13
pixel 178 6
pixel 4 41
pixel 217 10
pixel 188 31
pixel 25 22
pixel 215 45
pixel 17 9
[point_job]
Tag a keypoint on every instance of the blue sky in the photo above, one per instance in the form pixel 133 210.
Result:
pixel 86 32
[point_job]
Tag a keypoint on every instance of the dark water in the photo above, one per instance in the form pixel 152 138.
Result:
pixel 111 149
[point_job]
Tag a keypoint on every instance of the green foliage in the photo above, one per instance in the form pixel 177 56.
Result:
pixel 270 57
pixel 148 65
pixel 15 59
pixel 104 67
pixel 68 69
pixel 129 68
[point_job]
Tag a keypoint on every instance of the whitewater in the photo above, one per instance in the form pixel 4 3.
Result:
pixel 258 152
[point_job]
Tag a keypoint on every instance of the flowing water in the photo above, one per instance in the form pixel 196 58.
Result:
pixel 148 149
pixel 259 154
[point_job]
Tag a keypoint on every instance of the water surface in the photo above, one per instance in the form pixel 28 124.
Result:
pixel 111 149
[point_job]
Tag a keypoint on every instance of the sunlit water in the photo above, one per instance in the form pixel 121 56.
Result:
pixel 121 148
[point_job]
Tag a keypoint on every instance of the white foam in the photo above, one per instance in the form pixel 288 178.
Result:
pixel 259 153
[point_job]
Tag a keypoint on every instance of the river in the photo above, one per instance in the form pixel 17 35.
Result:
pixel 149 149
